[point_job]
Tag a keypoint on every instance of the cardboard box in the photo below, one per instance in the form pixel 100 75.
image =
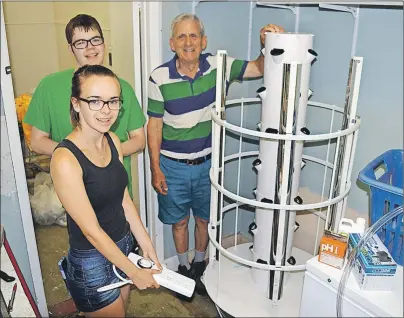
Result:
pixel 333 247
pixel 374 267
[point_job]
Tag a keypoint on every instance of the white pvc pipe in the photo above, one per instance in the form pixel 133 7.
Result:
pixel 271 206
pixel 250 18
pixel 288 58
pixel 223 251
pixel 214 171
pixel 223 144
pixel 253 100
pixel 264 135
pixel 256 153
pixel 297 18
pixel 300 130
pixel 238 171
pixel 267 169
pixel 355 31
pixel 283 240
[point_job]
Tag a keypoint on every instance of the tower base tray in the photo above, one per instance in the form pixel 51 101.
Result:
pixel 230 285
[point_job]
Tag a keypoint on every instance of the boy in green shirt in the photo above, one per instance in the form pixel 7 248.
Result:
pixel 48 112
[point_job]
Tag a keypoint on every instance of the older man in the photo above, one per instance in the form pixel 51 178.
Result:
pixel 181 94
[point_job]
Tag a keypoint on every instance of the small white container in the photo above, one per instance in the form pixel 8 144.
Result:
pixel 347 226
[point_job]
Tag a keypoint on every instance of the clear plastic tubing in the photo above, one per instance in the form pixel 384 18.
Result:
pixel 352 257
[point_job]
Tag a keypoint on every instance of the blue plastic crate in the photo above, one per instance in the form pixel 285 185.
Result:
pixel 384 175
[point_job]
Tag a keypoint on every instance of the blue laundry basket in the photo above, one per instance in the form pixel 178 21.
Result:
pixel 384 175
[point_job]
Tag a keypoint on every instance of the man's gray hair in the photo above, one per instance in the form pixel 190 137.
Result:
pixel 187 16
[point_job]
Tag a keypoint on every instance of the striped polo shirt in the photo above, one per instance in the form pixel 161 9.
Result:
pixel 185 104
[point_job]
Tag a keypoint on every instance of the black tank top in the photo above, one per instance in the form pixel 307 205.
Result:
pixel 105 189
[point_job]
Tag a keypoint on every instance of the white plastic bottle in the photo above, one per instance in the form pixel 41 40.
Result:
pixel 347 226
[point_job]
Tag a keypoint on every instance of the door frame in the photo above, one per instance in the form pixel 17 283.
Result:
pixel 147 31
pixel 7 92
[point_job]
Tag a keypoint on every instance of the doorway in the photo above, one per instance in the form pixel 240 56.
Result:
pixel 37 29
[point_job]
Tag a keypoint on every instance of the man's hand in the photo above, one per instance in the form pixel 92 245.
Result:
pixel 270 28
pixel 159 181
pixel 255 69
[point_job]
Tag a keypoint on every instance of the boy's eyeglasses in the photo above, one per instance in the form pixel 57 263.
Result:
pixel 82 43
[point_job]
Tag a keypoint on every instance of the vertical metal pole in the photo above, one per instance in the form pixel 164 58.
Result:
pixel 239 170
pixel 250 16
pixel 147 30
pixel 283 183
pixel 221 149
pixel 297 18
pixel 194 4
pixel 214 171
pixel 139 90
pixel 353 150
pixel 333 181
pixel 351 103
pixel 216 148
pixel 355 13
pixel 324 180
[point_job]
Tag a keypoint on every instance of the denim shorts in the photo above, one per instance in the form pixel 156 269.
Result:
pixel 88 270
pixel 188 188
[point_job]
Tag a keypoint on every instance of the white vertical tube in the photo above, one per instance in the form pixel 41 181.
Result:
pixel 239 170
pixel 216 153
pixel 290 97
pixel 268 149
pixel 222 148
pixel 250 18
pixel 301 129
pixel 280 49
pixel 297 18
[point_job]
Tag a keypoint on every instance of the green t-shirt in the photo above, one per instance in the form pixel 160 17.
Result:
pixel 49 111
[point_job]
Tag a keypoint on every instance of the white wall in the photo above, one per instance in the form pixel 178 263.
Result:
pixel 31 35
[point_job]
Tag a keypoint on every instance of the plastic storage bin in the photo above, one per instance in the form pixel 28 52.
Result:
pixel 384 175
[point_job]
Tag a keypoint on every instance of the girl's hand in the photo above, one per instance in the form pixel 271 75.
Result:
pixel 143 278
pixel 152 255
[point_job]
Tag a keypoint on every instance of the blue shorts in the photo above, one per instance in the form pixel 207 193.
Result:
pixel 188 188
pixel 88 270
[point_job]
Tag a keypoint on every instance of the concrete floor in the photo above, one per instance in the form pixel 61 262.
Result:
pixel 53 244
